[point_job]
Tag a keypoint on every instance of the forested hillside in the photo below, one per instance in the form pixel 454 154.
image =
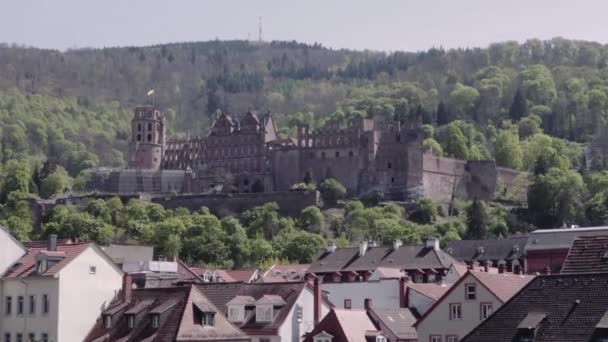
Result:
pixel 530 106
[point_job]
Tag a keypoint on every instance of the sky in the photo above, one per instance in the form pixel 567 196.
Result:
pixel 388 25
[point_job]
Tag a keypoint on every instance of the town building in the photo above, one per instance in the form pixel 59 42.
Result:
pixel 468 302
pixel 376 325
pixel 283 273
pixel 547 249
pixel 551 308
pixel 506 253
pixel 168 314
pixel 45 291
pixel 242 154
pixel 419 298
pixel 10 250
pixel 269 312
pixel 422 263
pixel 588 254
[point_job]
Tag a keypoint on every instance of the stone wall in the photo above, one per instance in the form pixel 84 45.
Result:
pixel 441 177
pixel 290 202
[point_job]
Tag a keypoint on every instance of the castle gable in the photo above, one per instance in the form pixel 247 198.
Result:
pixel 223 125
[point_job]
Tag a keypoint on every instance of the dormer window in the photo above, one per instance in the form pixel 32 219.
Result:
pixel 380 338
pixel 207 319
pixel 41 266
pixel 107 321
pixel 131 321
pixel 236 307
pixel 203 314
pixel 263 313
pixel 323 337
pixel 155 321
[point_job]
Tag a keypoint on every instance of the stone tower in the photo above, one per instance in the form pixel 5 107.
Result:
pixel 147 146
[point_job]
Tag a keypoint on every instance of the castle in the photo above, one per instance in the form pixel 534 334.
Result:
pixel 244 155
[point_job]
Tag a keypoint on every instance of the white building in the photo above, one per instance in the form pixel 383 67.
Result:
pixel 55 292
pixel 466 304
pixel 10 250
pixel 385 293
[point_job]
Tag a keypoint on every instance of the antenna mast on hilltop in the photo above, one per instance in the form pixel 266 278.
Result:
pixel 260 29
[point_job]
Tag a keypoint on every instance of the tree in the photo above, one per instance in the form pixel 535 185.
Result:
pixel 425 213
pixel 457 143
pixel 529 126
pixel 538 85
pixel 433 146
pixel 477 221
pixel 331 190
pixel 519 106
pixel 555 198
pixel 507 151
pixel 312 220
pixel 260 250
pixel 463 99
pixel 16 177
pixel 442 114
pixel 55 183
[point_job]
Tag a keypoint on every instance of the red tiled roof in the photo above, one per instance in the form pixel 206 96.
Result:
pixel 26 266
pixel 503 285
pixel 587 254
pixel 242 275
pixel 430 290
pixel 282 273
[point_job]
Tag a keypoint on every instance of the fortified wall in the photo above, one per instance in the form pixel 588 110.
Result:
pixel 445 179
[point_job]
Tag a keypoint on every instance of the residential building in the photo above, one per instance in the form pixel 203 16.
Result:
pixel 269 312
pixel 378 325
pixel 551 308
pixel 149 274
pixel 122 253
pixel 283 273
pixel 546 249
pixel 468 302
pixel 588 254
pixel 56 291
pixel 422 263
pixel 385 293
pixel 507 253
pixel 10 250
pixel 419 298
pixel 168 314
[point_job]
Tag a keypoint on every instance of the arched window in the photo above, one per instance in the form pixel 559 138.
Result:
pixel 389 165
pixel 149 126
pixel 149 137
pixel 139 137
pixel 139 127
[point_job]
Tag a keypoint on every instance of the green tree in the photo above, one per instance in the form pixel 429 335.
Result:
pixel 463 99
pixel 519 106
pixel 55 183
pixel 312 220
pixel 507 150
pixel 425 213
pixel 477 221
pixel 457 143
pixel 538 85
pixel 331 190
pixel 260 250
pixel 433 146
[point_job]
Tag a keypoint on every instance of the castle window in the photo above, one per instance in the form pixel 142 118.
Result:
pixel 149 127
pixel 392 179
pixel 337 154
pixel 350 154
pixel 149 137
pixel 139 137
pixel 389 165
pixel 322 154
pixel 312 155
pixel 139 127
pixel 398 138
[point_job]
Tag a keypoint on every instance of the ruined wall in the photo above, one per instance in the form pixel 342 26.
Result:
pixel 512 184
pixel 286 166
pixel 481 179
pixel 441 177
pixel 290 202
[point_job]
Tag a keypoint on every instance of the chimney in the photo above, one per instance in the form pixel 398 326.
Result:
pixel 402 289
pixel 52 243
pixel 367 303
pixel 127 287
pixel 432 242
pixel 517 269
pixel 362 248
pixel 331 247
pixel 318 297
pixel 501 268
pixel 486 266
pixel 396 244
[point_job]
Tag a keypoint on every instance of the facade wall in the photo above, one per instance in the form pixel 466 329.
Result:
pixel 438 320
pixel 84 295
pixel 39 322
pixel 10 250
pixel 121 254
pixel 540 260
pixel 292 330
pixel 384 293
pixel 418 301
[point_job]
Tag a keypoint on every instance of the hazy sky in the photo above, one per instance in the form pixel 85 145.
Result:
pixel 378 25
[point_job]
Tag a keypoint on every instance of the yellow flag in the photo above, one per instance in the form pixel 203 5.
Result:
pixel 150 92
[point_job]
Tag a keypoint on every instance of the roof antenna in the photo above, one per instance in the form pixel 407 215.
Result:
pixel 260 28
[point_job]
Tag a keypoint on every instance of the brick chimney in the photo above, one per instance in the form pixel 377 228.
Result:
pixel 318 298
pixel 402 293
pixel 516 269
pixel 127 287
pixel 501 268
pixel 486 266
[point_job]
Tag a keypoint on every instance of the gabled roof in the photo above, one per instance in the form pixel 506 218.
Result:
pixel 26 265
pixel 432 291
pixel 542 239
pixel 404 258
pixel 10 236
pixel 176 306
pixel 244 275
pixel 565 308
pixel 399 322
pixel 222 293
pixel 491 249
pixel 355 324
pixel 587 254
pixel 503 286
pixel 282 273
